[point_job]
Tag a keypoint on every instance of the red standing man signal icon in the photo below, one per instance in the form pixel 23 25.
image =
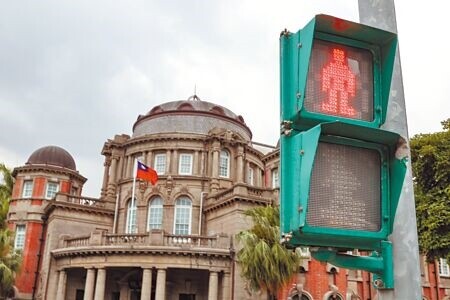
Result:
pixel 340 84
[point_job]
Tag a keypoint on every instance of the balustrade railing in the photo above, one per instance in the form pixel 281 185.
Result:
pixel 82 200
pixel 158 238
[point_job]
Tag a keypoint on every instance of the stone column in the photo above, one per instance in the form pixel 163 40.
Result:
pixel 195 163
pixel 146 284
pixel 215 160
pixel 106 165
pixel 215 166
pixel 174 160
pixel 161 284
pixel 123 291
pixel 226 286
pixel 89 285
pixel 203 164
pixel 61 290
pixel 240 171
pixel 213 286
pixel 148 159
pixel 120 167
pixel 168 162
pixel 128 169
pixel 100 284
pixel 246 173
pixel 258 178
pixel 112 178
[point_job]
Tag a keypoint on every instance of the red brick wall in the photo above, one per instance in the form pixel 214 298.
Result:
pixel 17 188
pixel 65 187
pixel 39 187
pixel 26 277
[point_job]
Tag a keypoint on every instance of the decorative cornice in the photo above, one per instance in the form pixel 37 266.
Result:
pixel 139 250
pixel 49 168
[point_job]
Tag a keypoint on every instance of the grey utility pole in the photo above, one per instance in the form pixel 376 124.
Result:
pixel 381 14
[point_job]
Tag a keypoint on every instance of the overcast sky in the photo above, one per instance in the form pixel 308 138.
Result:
pixel 75 73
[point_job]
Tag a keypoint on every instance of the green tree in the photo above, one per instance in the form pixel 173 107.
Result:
pixel 265 263
pixel 430 156
pixel 9 259
pixel 6 186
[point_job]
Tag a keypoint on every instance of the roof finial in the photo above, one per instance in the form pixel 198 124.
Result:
pixel 194 97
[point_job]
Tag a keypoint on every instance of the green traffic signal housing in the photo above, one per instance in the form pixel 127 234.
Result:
pixel 341 175
pixel 312 92
pixel 340 185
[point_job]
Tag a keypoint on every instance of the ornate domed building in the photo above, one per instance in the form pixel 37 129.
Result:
pixel 175 240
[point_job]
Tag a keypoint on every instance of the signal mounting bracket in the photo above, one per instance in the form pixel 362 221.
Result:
pixel 380 263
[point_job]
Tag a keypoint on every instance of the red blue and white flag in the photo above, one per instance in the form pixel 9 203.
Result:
pixel 146 173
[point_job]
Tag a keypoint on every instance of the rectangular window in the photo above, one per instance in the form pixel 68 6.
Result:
pixel 275 179
pixel 52 189
pixel 250 176
pixel 27 190
pixel 444 269
pixel 224 164
pixel 19 240
pixel 160 163
pixel 185 164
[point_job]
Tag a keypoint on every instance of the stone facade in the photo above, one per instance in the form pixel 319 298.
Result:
pixel 176 239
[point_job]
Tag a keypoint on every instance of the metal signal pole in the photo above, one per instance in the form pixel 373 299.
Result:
pixel 381 14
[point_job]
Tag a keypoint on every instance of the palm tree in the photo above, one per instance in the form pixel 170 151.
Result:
pixel 9 259
pixel 6 186
pixel 266 264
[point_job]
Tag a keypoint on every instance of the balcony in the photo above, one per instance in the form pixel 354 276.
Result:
pixel 84 201
pixel 154 242
pixel 240 192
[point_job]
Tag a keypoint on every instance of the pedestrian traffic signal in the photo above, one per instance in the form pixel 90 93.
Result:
pixel 340 186
pixel 334 69
pixel 341 175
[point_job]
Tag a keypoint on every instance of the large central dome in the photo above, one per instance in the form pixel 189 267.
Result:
pixel 189 116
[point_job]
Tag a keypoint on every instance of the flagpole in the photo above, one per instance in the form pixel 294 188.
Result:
pixel 132 194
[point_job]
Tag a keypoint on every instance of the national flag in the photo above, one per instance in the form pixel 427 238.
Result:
pixel 146 173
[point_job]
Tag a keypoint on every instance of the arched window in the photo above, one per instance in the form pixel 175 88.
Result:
pixel 155 214
pixel 297 295
pixel 183 212
pixel 224 164
pixel 131 217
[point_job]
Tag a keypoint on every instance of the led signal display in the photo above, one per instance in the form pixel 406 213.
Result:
pixel 340 81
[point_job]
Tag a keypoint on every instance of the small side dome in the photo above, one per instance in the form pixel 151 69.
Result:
pixel 52 155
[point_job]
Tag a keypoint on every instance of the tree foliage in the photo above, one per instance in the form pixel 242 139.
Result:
pixel 265 263
pixel 9 259
pixel 430 155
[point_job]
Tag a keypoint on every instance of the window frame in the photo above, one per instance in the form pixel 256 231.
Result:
pixel 177 208
pixel 51 183
pixel 158 215
pixel 224 166
pixel 444 268
pixel 275 179
pixel 181 166
pixel 27 186
pixel 19 238
pixel 157 164
pixel 131 228
pixel 251 176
